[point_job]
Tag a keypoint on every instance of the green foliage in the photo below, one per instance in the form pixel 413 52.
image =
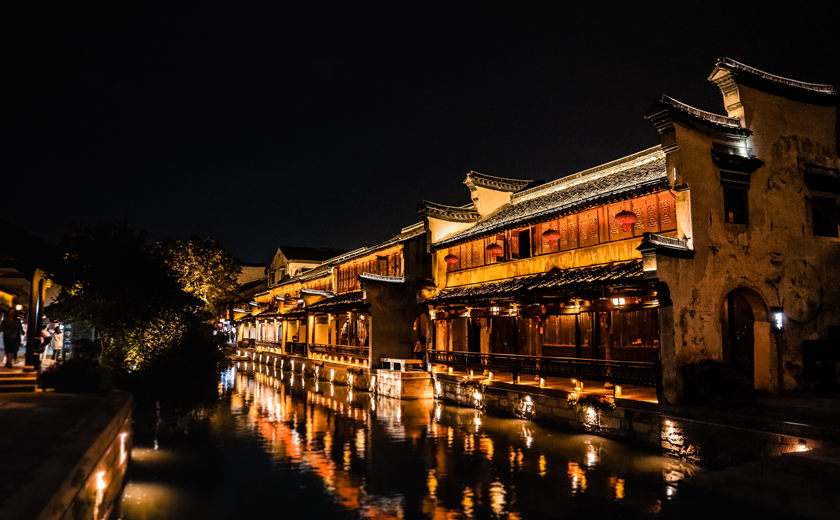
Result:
pixel 112 280
pixel 473 384
pixel 599 403
pixel 203 268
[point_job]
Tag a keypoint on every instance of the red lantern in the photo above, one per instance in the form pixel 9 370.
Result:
pixel 450 259
pixel 626 218
pixel 551 235
pixel 494 249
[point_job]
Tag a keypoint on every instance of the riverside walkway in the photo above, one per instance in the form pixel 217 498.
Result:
pixel 62 455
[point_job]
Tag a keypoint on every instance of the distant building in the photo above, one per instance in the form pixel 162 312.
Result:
pixel 355 307
pixel 291 261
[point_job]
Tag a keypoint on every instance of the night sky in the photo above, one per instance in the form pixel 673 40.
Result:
pixel 300 123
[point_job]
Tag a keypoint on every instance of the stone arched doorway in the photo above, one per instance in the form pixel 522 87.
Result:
pixel 747 345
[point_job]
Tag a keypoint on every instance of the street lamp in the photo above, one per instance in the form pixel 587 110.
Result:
pixel 777 318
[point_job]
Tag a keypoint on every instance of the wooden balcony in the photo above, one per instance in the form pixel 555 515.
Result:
pixel 271 346
pixel 360 353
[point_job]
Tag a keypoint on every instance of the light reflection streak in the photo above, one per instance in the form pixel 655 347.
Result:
pixel 309 441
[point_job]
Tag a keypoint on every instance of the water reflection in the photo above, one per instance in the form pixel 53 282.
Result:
pixel 377 457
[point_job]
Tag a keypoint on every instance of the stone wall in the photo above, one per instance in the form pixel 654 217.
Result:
pixel 636 422
pixel 775 255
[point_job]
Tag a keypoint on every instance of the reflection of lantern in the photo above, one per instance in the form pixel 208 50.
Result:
pixel 551 235
pixel 450 259
pixel 626 218
pixel 494 249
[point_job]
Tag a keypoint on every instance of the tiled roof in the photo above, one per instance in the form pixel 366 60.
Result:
pixel 729 123
pixel 495 183
pixel 382 278
pixel 668 246
pixel 618 179
pixel 737 66
pixel 466 213
pixel 341 301
pixel 556 280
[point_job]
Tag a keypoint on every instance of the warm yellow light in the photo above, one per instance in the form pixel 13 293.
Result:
pixel 542 382
pixel 617 390
pixel 123 453
pixel 18 307
pixel 100 481
pixel 489 376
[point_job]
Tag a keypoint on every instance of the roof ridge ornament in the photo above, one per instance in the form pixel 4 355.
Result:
pixel 711 117
pixel 450 213
pixel 483 180
pixel 736 66
pixel 665 110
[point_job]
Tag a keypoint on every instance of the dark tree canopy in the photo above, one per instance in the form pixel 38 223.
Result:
pixel 113 280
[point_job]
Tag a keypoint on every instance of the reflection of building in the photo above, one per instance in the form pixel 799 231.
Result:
pixel 355 307
pixel 676 254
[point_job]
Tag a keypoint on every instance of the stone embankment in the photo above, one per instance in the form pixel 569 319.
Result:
pixel 712 438
pixel 63 456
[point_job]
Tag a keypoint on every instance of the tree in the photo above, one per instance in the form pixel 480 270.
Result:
pixel 111 279
pixel 203 268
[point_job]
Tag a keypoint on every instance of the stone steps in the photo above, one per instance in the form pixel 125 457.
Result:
pixel 18 380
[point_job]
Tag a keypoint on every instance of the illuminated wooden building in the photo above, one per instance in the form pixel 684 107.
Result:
pixel 552 270
pixel 720 244
pixel 353 308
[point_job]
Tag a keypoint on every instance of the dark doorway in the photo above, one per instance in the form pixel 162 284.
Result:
pixel 503 339
pixel 474 335
pixel 738 334
pixel 525 243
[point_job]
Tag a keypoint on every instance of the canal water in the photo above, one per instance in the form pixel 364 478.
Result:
pixel 275 445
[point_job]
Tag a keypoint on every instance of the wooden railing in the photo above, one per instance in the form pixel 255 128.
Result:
pixel 296 348
pixel 271 346
pixel 340 350
pixel 619 372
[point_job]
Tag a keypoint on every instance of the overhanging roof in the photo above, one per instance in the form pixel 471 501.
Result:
pixel 555 282
pixel 340 303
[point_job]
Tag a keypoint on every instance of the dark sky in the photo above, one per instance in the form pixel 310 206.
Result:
pixel 301 123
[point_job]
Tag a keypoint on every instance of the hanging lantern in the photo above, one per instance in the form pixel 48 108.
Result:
pixel 626 218
pixel 494 249
pixel 450 259
pixel 551 235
